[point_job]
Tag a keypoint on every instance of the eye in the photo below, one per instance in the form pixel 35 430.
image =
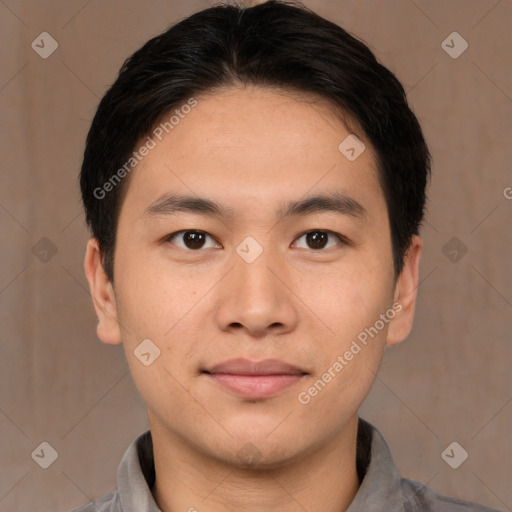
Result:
pixel 192 239
pixel 318 239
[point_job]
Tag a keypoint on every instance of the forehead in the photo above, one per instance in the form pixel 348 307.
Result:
pixel 254 144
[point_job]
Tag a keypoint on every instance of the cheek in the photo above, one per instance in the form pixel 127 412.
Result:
pixel 162 306
pixel 360 335
pixel 350 358
pixel 151 303
pixel 153 308
pixel 352 298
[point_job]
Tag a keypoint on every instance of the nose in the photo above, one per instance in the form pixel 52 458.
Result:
pixel 257 298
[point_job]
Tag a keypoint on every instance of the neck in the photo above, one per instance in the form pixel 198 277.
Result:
pixel 188 479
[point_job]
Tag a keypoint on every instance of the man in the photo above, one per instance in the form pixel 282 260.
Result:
pixel 254 182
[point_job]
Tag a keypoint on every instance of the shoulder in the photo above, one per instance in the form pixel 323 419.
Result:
pixel 108 503
pixel 420 498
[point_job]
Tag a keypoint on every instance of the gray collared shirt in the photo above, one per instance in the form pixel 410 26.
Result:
pixel 382 488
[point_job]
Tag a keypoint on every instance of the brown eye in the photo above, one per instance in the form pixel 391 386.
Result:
pixel 191 239
pixel 318 239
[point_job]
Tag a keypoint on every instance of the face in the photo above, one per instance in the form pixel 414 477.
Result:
pixel 257 272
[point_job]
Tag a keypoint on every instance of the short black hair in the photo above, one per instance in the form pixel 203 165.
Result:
pixel 277 44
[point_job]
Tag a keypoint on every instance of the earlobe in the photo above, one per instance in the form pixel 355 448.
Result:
pixel 405 294
pixel 102 294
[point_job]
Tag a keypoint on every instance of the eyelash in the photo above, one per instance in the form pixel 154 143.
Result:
pixel 343 240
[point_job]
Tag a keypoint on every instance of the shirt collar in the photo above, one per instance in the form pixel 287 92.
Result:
pixel 380 488
pixel 380 479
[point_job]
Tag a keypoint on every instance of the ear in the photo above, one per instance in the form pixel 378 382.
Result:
pixel 102 294
pixel 405 294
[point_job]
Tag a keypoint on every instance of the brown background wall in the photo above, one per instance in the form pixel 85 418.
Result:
pixel 449 382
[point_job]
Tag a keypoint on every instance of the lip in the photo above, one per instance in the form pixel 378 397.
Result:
pixel 255 379
pixel 242 366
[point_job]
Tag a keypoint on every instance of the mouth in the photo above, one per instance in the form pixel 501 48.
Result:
pixel 255 380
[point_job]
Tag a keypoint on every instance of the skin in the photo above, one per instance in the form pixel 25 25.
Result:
pixel 294 303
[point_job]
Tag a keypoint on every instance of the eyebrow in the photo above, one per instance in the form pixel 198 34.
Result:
pixel 335 202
